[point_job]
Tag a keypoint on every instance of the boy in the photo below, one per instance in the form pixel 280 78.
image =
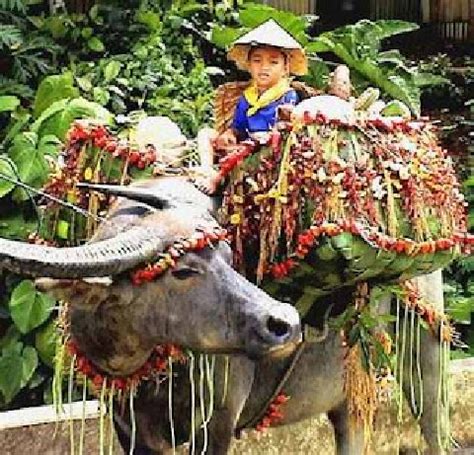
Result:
pixel 270 55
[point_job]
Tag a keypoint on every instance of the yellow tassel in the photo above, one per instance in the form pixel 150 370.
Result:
pixel 361 392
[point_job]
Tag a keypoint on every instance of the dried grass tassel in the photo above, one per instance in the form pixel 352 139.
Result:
pixel 361 392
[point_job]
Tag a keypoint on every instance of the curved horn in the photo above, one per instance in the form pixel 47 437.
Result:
pixel 134 193
pixel 107 257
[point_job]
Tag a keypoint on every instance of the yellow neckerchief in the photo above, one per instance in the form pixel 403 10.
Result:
pixel 268 96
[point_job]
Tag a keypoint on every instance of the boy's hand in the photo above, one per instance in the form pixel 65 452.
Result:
pixel 225 139
pixel 284 112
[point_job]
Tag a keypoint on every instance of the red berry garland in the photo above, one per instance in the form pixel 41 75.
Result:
pixel 99 136
pixel 157 364
pixel 168 259
pixel 307 239
pixel 274 413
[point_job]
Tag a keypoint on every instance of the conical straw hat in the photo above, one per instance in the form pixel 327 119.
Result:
pixel 269 34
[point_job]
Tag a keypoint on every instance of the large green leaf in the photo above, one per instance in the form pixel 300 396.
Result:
pixel 45 343
pixel 50 112
pixel 6 168
pixel 399 85
pixel 95 44
pixel 57 119
pixel 52 89
pixel 9 103
pixel 252 15
pixel 28 307
pixel 358 46
pixel 112 70
pixel 17 366
pixel 28 155
pixel 393 27
pixel 425 79
pixel 224 36
pixel 11 373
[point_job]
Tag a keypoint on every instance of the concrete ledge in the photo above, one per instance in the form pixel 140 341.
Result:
pixel 34 431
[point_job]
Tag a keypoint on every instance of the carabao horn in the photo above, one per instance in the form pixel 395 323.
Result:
pixel 130 192
pixel 108 257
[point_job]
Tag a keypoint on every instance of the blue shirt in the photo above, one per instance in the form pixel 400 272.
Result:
pixel 263 119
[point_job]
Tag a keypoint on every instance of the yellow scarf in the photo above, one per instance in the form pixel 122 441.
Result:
pixel 268 96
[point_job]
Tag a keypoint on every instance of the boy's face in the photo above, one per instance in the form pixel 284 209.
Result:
pixel 267 66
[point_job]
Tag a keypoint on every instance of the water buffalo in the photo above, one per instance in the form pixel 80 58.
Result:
pixel 242 389
pixel 226 322
pixel 243 386
pixel 201 304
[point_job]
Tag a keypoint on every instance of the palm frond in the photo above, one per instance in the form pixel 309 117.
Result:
pixel 11 37
pixel 13 87
pixel 13 5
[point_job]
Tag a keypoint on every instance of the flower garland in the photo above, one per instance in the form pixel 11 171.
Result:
pixel 167 260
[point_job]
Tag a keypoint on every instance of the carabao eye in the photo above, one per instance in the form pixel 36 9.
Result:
pixel 184 272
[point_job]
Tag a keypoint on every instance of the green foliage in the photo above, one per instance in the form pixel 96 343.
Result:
pixel 28 307
pixel 19 362
pixel 359 47
pixel 30 54
pixel 57 118
pixel 252 15
pixel 162 71
pixel 17 365
pixel 8 103
pixel 54 88
pixel 45 342
pixel 28 152
pixel 6 186
pixel 13 5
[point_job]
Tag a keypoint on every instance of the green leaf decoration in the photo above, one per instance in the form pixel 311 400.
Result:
pixel 45 343
pixel 52 89
pixel 9 103
pixel 28 307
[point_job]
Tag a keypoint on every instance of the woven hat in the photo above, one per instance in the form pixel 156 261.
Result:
pixel 269 34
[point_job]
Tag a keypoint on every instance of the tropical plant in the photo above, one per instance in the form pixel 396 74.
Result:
pixel 359 46
pixel 27 53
